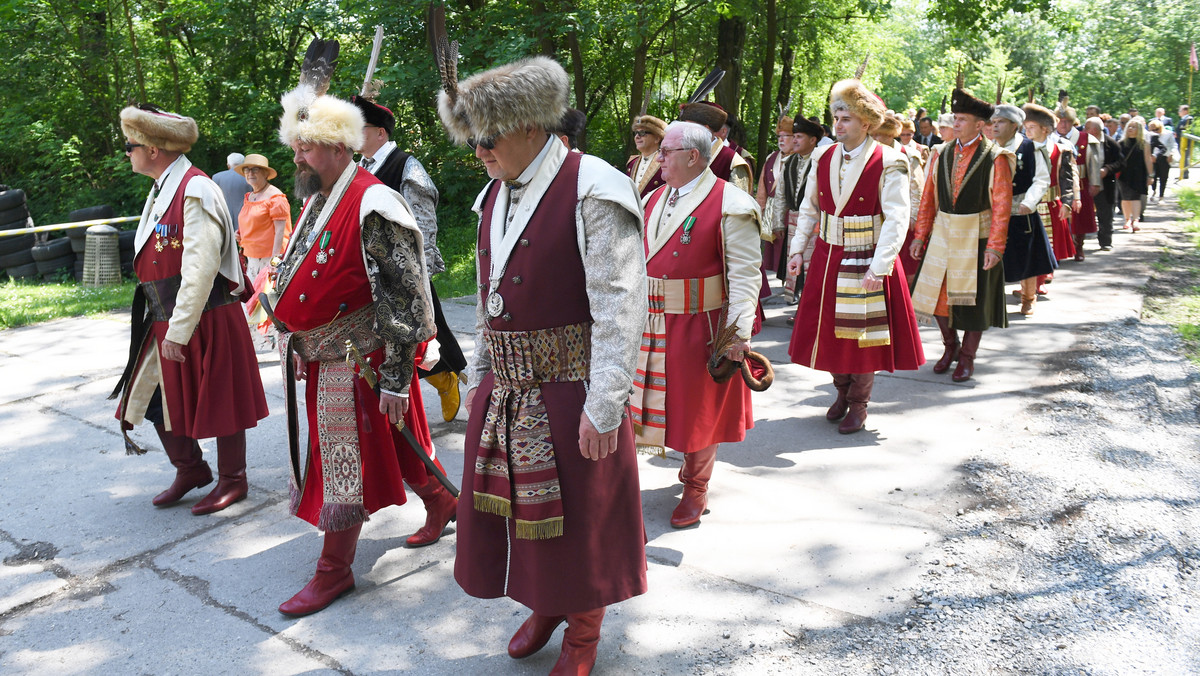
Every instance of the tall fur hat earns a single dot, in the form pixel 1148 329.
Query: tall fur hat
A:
pixel 785 125
pixel 704 113
pixel 651 124
pixel 375 114
pixel 962 101
pixel 804 125
pixel 151 126
pixel 494 102
pixel 1040 115
pixel 907 123
pixel 324 119
pixel 947 120
pixel 1066 112
pixel 1009 112
pixel 851 95
pixel 889 126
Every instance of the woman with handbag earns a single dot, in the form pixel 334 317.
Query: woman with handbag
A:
pixel 1134 179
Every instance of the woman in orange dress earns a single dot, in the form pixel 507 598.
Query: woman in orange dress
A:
pixel 265 218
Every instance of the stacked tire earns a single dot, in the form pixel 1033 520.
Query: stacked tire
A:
pixel 53 255
pixel 16 256
pixel 78 236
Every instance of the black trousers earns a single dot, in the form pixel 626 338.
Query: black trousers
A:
pixel 1162 167
pixel 1104 218
pixel 452 358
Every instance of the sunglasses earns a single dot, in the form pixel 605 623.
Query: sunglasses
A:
pixel 487 143
pixel 130 146
pixel 640 133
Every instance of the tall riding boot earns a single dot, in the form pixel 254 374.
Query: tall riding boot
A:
pixel 696 471
pixel 1028 295
pixel 578 654
pixel 950 340
pixel 190 469
pixel 1078 247
pixel 966 356
pixel 857 395
pixel 440 509
pixel 333 579
pixel 231 475
pixel 533 635
pixel 841 381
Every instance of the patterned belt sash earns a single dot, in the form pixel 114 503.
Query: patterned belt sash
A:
pixel 515 471
pixel 648 405
pixel 337 420
pixel 161 295
pixel 858 314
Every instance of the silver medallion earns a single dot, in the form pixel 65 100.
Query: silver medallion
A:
pixel 495 305
pixel 685 238
pixel 322 257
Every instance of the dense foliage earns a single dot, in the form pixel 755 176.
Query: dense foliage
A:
pixel 71 66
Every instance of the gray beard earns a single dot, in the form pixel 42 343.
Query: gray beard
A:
pixel 307 185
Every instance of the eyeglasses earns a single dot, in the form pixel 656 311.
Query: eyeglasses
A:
pixel 487 143
pixel 640 133
pixel 667 151
pixel 130 146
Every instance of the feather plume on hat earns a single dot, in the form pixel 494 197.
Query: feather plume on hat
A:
pixel 311 115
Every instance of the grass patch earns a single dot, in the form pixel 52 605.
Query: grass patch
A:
pixel 23 302
pixel 457 245
pixel 1175 296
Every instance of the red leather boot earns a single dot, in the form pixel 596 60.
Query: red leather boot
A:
pixel 841 381
pixel 857 395
pixel 696 471
pixel 190 469
pixel 950 340
pixel 333 579
pixel 579 644
pixel 440 509
pixel 533 635
pixel 966 356
pixel 231 476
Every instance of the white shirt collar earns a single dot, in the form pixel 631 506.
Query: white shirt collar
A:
pixel 381 155
pixel 690 185
pixel 856 152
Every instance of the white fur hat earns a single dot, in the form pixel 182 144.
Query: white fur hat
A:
pixel 530 91
pixel 324 119
pixel 151 126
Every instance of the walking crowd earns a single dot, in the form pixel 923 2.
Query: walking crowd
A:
pixel 616 310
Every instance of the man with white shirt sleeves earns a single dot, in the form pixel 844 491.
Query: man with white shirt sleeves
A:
pixel 1027 254
pixel 551 520
pixel 855 315
pixel 702 236
pixel 191 369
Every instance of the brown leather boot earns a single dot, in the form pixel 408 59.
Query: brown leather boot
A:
pixel 440 509
pixel 1028 295
pixel 190 469
pixel 841 381
pixel 231 476
pixel 533 635
pixel 333 579
pixel 966 356
pixel 1078 247
pixel 857 395
pixel 696 471
pixel 950 340
pixel 579 644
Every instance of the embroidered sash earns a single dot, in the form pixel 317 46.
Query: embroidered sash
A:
pixel 648 405
pixel 515 471
pixel 337 418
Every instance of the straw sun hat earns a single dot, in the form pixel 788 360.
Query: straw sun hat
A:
pixel 259 161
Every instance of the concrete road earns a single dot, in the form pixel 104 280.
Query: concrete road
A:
pixel 808 529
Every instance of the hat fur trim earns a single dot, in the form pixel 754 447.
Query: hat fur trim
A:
pixel 854 97
pixel 1009 112
pixel 784 126
pixel 803 125
pixel 704 114
pixel 651 124
pixel 531 91
pixel 1040 115
pixel 323 120
pixel 889 126
pixel 165 131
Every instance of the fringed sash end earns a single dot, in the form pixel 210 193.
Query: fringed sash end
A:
pixel 493 504
pixel 334 517
pixel 540 530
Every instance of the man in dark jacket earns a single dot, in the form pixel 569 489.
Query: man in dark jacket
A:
pixel 1102 178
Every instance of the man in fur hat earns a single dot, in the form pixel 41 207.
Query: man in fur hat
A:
pixel 643 168
pixel 806 134
pixel 442 359
pixel 191 370
pixel 855 316
pixel 354 272
pixel 726 163
pixel 1028 253
pixel 962 231
pixel 767 185
pixel 703 264
pixel 889 133
pixel 553 521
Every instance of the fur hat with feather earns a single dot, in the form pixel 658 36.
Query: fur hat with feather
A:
pixel 309 114
pixel 852 96
pixel 531 91
pixel 151 126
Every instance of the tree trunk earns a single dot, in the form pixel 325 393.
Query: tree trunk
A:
pixel 731 39
pixel 137 61
pixel 580 82
pixel 784 98
pixel 768 75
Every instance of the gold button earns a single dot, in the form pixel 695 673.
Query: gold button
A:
pixel 665 277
